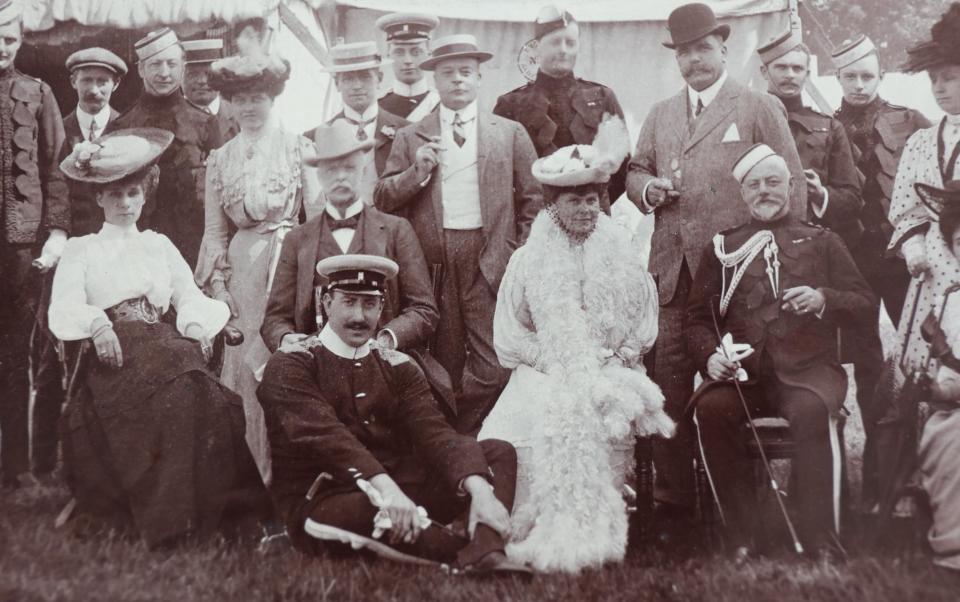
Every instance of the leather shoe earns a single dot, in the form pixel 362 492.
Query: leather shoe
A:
pixel 496 564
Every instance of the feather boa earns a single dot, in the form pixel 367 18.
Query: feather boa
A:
pixel 595 312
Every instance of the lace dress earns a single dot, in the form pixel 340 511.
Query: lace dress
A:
pixel 573 322
pixel 257 185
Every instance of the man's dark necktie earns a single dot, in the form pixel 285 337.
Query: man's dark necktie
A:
pixel 92 135
pixel 350 222
pixel 361 132
pixel 700 107
pixel 458 133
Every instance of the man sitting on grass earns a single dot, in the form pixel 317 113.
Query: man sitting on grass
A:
pixel 360 448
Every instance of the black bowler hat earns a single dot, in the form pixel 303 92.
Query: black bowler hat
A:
pixel 691 22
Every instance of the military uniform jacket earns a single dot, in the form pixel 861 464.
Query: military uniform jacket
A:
pixel 33 190
pixel 586 102
pixel 176 208
pixel 87 216
pixel 375 414
pixel 823 147
pixel 800 350
pixel 878 132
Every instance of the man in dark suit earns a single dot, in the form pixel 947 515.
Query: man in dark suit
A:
pixel 176 207
pixel 411 96
pixel 347 225
pixel 680 172
pixel 783 287
pixel 356 439
pixel 357 73
pixel 558 109
pixel 462 177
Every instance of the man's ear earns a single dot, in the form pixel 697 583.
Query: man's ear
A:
pixel 140 69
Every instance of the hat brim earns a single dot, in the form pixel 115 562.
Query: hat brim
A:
pixel 87 64
pixel 361 146
pixel 590 175
pixel 430 63
pixel 358 66
pixel 935 199
pixel 158 140
pixel 723 29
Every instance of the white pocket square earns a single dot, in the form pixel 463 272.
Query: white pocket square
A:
pixel 732 134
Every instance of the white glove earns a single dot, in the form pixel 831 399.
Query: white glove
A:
pixel 915 254
pixel 735 352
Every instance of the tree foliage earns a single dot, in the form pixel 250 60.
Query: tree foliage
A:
pixel 894 25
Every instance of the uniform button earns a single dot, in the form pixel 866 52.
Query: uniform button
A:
pixel 358 364
pixel 366 422
pixel 359 395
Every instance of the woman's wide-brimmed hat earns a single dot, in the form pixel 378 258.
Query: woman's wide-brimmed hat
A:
pixel 580 164
pixel 249 73
pixel 337 140
pixel 462 45
pixel 691 22
pixel 943 47
pixel 116 155
pixel 936 199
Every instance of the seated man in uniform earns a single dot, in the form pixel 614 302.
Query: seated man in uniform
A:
pixel 782 287
pixel 352 425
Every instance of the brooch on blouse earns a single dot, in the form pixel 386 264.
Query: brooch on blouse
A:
pixel 389 131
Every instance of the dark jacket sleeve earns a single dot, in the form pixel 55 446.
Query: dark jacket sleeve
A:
pixel 842 181
pixel 527 193
pixel 279 317
pixel 849 299
pixel 418 315
pixel 399 184
pixel 53 186
pixel 699 332
pixel 454 455
pixel 303 424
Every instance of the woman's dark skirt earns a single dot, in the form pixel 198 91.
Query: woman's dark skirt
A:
pixel 158 445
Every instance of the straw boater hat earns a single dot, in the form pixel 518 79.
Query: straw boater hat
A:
pixel 580 164
pixel 96 57
pixel 780 46
pixel 249 73
pixel 943 48
pixel 356 56
pixel 852 51
pixel 116 155
pixel 463 45
pixel 407 27
pixel 691 22
pixel 154 43
pixel 336 141
pixel 360 274
pixel 202 51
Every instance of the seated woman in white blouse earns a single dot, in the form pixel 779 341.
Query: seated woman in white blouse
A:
pixel 151 439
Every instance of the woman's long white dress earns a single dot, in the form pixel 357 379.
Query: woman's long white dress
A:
pixel 573 322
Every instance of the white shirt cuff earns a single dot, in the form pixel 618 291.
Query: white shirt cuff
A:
pixel 393 337
pixel 645 205
pixel 823 208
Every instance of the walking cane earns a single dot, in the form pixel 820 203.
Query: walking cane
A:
pixel 797 546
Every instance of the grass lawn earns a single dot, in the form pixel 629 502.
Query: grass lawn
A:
pixel 38 562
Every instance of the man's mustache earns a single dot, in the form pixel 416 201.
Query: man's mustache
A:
pixel 358 326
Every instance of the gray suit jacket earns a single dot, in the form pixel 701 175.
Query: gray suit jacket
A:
pixel 510 196
pixel 699 164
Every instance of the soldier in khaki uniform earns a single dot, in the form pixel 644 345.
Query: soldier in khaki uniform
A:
pixel 34 211
pixel 557 108
pixel 878 131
